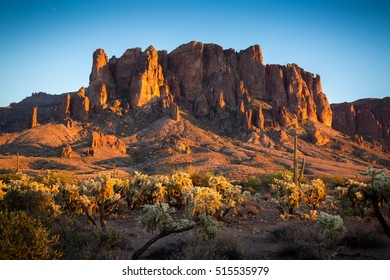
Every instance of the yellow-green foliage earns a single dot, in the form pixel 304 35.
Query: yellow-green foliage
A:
pixel 231 194
pixel 101 195
pixel 179 183
pixel 28 195
pixel 313 193
pixel 286 194
pixel 23 237
pixel 147 190
pixel 202 200
pixel 69 199
pixel 2 189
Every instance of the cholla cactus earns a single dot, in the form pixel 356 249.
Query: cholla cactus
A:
pixel 375 194
pixel 202 200
pixel 178 185
pixel 147 190
pixel 232 195
pixel 313 193
pixel 157 217
pixel 331 228
pixel 286 194
pixel 208 228
pixel 28 195
pixel 69 199
pixel 100 196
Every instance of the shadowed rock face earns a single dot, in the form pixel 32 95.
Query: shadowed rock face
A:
pixel 207 80
pixel 366 117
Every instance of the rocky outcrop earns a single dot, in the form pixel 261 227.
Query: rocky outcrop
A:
pixel 145 85
pixel 79 106
pixel 369 118
pixel 67 151
pixel 204 79
pixel 34 117
pixel 64 109
pixel 297 92
pixel 169 107
pixel 101 82
pixel 99 140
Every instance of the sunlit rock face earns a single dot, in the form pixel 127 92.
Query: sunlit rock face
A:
pixel 222 85
pixel 367 117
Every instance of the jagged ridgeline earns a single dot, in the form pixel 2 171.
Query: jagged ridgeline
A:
pixel 203 79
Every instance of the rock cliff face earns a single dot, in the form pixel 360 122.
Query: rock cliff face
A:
pixel 297 92
pixel 369 118
pixel 205 79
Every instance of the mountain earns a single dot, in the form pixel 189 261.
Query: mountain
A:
pixel 201 105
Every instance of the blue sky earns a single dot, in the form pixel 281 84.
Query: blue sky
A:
pixel 48 45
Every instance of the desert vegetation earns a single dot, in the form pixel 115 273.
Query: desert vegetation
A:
pixel 180 215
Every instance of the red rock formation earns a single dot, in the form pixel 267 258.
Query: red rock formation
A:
pixel 367 117
pixel 145 85
pixel 64 109
pixel 170 108
pixel 79 106
pixel 204 79
pixel 99 140
pixel 299 92
pixel 34 118
pixel 101 83
pixel 67 151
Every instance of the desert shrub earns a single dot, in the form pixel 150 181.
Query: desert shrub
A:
pixel 331 229
pixel 201 178
pixel 7 178
pixel 2 190
pixel 293 234
pixel 24 237
pixel 36 199
pixel 268 179
pixel 77 241
pixel 361 236
pixel 52 178
pixel 333 180
pixel 313 193
pixel 286 194
pixel 254 184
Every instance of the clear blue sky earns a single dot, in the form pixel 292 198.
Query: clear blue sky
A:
pixel 48 45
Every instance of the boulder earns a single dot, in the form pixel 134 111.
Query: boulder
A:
pixel 66 151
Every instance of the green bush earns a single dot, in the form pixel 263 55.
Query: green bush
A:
pixel 23 238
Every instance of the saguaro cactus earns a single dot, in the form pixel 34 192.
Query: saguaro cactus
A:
pixel 297 178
